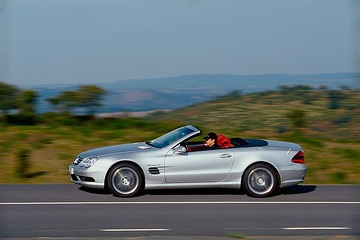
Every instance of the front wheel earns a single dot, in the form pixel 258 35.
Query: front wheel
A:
pixel 125 180
pixel 260 180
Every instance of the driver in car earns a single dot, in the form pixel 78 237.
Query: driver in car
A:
pixel 210 141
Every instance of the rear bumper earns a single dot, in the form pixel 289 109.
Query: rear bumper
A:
pixel 292 175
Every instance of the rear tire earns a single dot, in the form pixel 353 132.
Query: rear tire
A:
pixel 260 180
pixel 125 180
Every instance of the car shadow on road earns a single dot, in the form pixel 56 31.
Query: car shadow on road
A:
pixel 197 191
pixel 297 189
pixel 95 191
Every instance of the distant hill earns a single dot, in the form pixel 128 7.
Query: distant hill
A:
pixel 180 91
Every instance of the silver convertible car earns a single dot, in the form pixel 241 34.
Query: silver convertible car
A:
pixel 176 160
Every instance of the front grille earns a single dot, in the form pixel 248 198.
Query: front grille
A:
pixel 78 160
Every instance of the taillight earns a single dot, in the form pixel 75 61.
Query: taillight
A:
pixel 298 158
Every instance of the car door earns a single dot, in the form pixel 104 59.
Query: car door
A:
pixel 199 166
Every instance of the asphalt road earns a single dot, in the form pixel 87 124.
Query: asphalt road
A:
pixel 66 211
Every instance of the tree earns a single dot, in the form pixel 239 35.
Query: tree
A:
pixel 297 92
pixel 87 97
pixel 8 98
pixel 27 101
pixel 345 87
pixel 90 98
pixel 54 103
pixel 66 102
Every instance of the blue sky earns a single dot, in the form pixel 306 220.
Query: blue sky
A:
pixel 93 41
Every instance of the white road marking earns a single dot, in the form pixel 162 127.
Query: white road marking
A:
pixel 134 230
pixel 124 203
pixel 317 228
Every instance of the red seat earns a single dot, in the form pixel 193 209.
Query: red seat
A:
pixel 223 142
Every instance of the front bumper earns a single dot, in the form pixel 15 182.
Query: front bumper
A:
pixel 87 177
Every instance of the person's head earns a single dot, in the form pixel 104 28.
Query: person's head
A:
pixel 210 139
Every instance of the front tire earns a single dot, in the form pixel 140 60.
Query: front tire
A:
pixel 260 180
pixel 125 180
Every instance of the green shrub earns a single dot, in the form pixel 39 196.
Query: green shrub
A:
pixel 339 177
pixel 342 120
pixel 297 118
pixel 348 153
pixel 281 129
pixel 23 163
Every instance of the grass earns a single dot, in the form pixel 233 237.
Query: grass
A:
pixel 330 137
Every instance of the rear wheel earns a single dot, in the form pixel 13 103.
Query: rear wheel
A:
pixel 260 180
pixel 125 180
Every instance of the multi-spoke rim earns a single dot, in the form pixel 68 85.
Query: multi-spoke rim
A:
pixel 261 181
pixel 125 180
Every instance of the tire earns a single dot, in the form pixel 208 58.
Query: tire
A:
pixel 125 180
pixel 260 180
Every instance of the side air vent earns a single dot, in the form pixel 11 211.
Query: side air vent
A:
pixel 154 170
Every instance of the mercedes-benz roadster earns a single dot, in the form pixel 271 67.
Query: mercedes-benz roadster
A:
pixel 176 160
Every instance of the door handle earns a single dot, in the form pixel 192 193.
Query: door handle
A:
pixel 225 155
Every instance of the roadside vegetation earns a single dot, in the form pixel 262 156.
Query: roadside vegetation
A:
pixel 37 148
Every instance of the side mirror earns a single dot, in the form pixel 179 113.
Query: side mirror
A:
pixel 179 150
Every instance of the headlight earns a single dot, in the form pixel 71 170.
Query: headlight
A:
pixel 88 162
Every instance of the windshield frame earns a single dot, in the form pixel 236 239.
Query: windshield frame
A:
pixel 174 137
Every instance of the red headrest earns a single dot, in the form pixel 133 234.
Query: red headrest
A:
pixel 223 142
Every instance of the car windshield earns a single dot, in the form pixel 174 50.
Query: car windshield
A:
pixel 170 137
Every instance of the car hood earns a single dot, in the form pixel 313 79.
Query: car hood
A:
pixel 115 149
